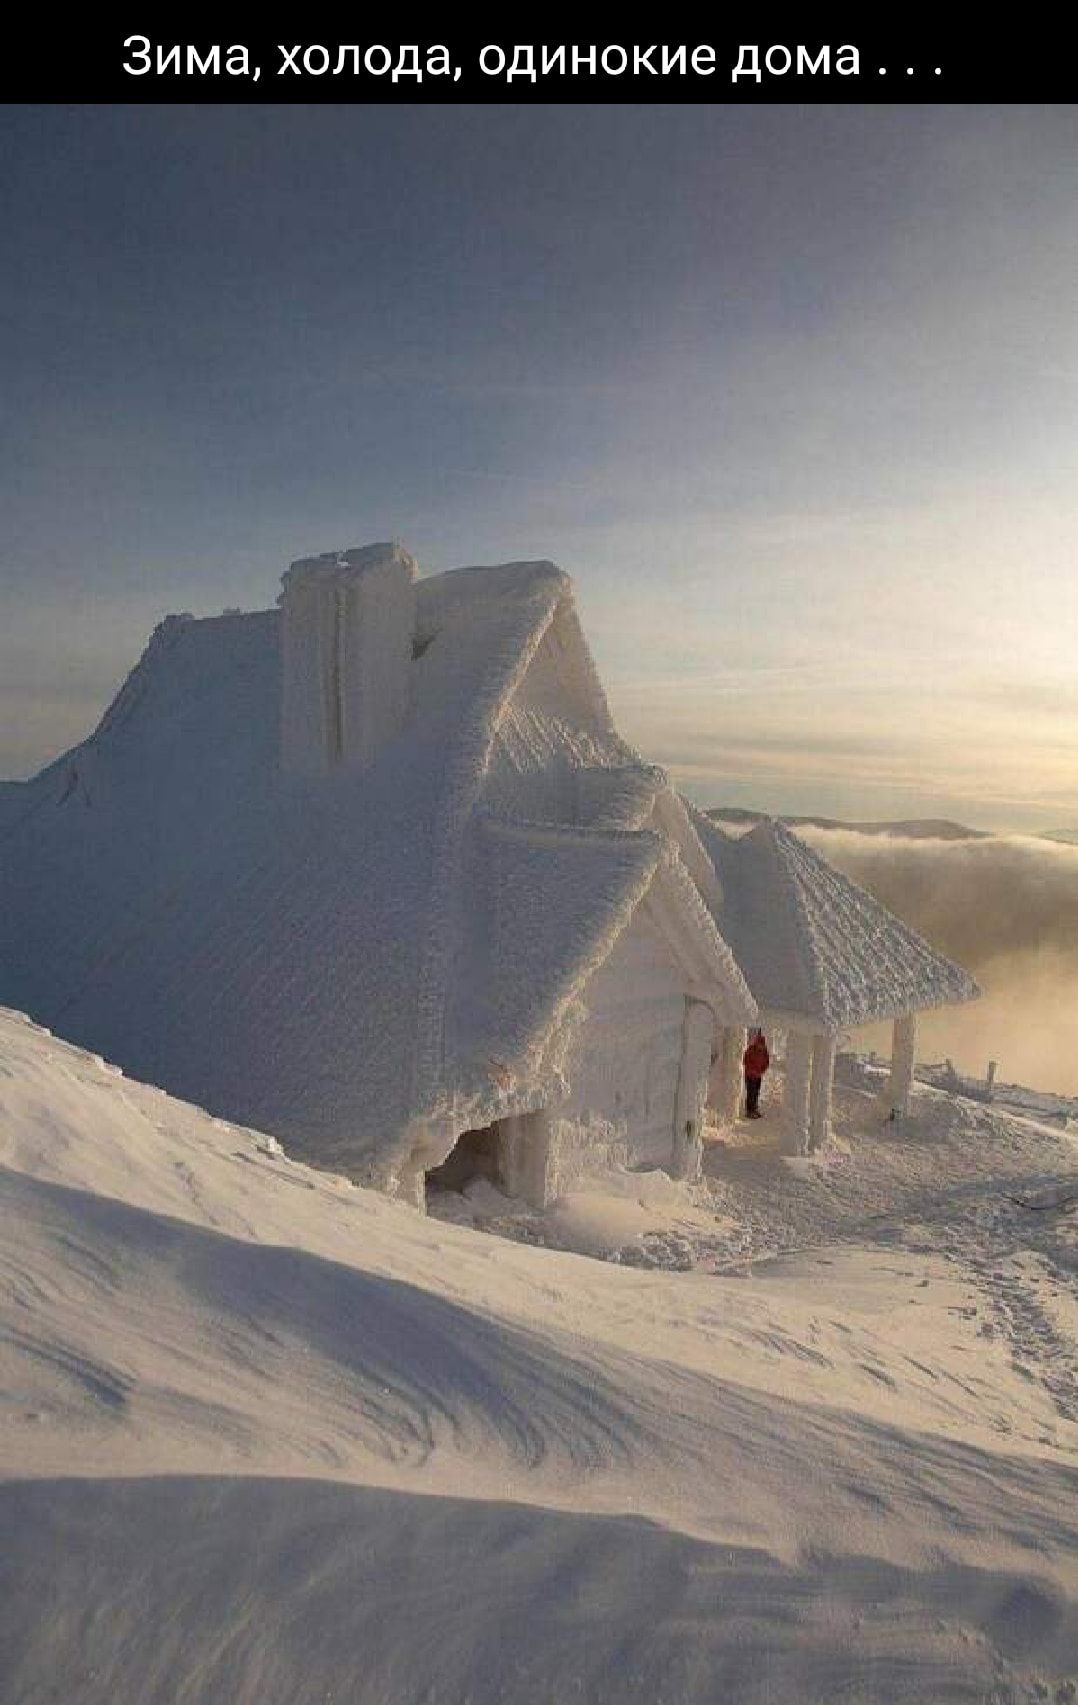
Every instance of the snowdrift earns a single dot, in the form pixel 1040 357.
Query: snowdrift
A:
pixel 270 1436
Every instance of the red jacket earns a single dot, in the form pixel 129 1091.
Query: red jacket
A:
pixel 757 1059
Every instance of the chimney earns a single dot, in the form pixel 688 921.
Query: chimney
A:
pixel 347 623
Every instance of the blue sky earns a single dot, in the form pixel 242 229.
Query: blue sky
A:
pixel 791 393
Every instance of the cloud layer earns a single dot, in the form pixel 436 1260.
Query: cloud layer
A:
pixel 1007 909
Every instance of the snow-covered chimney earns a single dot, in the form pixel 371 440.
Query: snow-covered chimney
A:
pixel 347 624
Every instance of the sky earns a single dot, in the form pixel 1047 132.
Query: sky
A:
pixel 791 392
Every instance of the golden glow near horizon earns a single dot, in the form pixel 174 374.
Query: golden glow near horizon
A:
pixel 791 393
pixel 894 666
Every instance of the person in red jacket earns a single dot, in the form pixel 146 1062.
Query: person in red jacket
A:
pixel 756 1060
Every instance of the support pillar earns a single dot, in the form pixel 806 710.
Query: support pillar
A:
pixel 529 1157
pixel 796 1097
pixel 688 1145
pixel 823 1073
pixel 724 1089
pixel 430 1142
pixel 903 1054
pixel 411 1183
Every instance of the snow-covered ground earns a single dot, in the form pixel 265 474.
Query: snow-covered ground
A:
pixel 267 1436
pixel 1042 1104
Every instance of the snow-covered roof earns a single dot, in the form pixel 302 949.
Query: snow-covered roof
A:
pixel 331 958
pixel 812 944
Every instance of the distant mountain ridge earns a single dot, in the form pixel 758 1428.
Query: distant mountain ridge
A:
pixel 911 828
pixel 914 828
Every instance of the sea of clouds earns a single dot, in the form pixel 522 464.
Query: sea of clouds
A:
pixel 1006 907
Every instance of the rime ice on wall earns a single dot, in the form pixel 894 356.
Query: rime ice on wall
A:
pixel 348 624
pixel 310 665
pixel 627 1054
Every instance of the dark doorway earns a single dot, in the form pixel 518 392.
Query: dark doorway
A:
pixel 475 1154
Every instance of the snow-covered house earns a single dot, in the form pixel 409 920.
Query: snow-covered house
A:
pixel 374 872
pixel 820 956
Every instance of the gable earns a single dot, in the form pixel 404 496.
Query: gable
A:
pixel 813 944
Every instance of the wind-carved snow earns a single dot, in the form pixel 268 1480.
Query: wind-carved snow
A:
pixel 268 1435
pixel 273 1436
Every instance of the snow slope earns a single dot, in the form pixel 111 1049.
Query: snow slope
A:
pixel 271 1437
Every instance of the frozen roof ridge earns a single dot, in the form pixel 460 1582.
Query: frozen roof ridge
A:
pixel 920 976
pixel 584 884
pixel 165 641
pixel 790 850
pixel 703 939
pixel 767 835
pixel 502 579
pixel 543 832
pixel 468 762
pixel 532 1048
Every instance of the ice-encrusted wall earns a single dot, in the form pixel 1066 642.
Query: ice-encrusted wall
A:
pixel 347 627
pixel 626 1059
